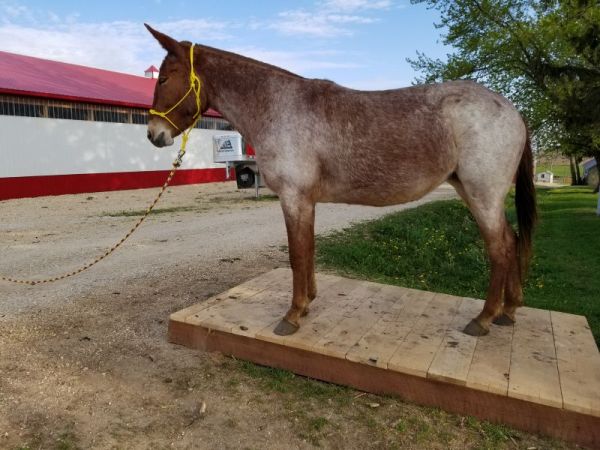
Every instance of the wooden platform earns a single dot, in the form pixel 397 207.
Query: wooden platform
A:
pixel 542 375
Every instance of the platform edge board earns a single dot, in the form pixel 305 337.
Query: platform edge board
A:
pixel 490 366
pixel 534 373
pixel 572 426
pixel 578 363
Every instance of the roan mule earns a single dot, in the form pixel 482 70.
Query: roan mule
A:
pixel 316 141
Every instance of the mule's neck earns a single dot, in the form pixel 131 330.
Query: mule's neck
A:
pixel 243 90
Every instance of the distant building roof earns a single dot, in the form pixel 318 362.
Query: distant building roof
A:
pixel 151 69
pixel 36 77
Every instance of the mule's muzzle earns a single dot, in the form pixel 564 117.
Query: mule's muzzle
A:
pixel 160 138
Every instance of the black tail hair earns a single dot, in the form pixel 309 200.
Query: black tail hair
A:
pixel 526 207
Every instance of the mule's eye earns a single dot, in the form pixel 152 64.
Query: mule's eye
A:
pixel 162 80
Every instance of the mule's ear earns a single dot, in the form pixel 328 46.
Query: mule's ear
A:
pixel 167 42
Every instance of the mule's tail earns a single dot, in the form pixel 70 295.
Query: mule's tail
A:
pixel 526 206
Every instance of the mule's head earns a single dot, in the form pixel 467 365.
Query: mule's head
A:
pixel 173 84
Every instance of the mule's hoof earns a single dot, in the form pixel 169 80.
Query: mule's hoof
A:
pixel 504 320
pixel 285 328
pixel 474 328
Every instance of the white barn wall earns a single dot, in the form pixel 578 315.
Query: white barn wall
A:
pixel 38 146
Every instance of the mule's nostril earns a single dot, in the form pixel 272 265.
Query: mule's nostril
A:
pixel 149 135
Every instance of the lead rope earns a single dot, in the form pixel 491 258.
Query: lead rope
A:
pixel 195 87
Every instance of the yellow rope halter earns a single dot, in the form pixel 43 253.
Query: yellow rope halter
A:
pixel 195 85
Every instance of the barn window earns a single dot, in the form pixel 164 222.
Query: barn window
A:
pixel 139 117
pixel 12 105
pixel 11 108
pixel 110 115
pixel 69 112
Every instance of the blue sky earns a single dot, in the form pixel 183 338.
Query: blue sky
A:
pixel 358 43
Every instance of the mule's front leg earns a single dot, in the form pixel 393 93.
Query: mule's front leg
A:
pixel 299 216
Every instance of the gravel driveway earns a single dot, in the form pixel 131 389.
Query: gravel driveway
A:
pixel 196 226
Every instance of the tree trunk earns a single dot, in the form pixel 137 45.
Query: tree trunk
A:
pixel 573 172
pixel 578 171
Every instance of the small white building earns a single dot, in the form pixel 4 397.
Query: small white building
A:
pixel 545 177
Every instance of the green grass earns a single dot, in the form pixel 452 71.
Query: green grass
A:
pixel 284 381
pixel 141 212
pixel 318 423
pixel 437 247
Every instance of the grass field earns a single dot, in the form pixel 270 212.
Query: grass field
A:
pixel 437 247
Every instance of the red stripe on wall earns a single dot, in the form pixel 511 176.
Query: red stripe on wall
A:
pixel 37 186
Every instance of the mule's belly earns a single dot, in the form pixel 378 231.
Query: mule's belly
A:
pixel 380 192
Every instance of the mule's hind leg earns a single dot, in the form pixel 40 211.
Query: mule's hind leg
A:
pixel 513 292
pixel 488 211
pixel 310 275
pixel 299 214
pixel 311 280
pixel 496 246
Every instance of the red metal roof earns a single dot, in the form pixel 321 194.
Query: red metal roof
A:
pixel 26 75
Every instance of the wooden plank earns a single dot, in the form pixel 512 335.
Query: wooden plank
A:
pixel 328 286
pixel 452 361
pixel 259 324
pixel 232 309
pixel 490 366
pixel 578 363
pixel 348 331
pixel 249 318
pixel 242 290
pixel 345 296
pixel 379 343
pixel 268 308
pixel 415 353
pixel 533 369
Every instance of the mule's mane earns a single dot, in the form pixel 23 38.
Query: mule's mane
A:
pixel 235 58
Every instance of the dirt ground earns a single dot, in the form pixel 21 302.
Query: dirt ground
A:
pixel 85 363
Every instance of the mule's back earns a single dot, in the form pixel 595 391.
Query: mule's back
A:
pixel 386 147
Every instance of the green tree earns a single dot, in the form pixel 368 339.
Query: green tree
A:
pixel 542 54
